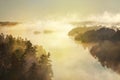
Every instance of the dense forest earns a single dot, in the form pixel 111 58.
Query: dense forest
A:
pixel 99 35
pixel 81 30
pixel 19 60
pixel 105 45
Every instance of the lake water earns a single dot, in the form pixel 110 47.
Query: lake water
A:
pixel 70 61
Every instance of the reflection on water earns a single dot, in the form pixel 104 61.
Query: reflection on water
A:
pixel 70 61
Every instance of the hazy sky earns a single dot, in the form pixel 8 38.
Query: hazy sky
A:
pixel 35 9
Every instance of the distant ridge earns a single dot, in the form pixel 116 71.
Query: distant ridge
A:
pixel 7 23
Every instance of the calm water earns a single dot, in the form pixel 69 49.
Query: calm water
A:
pixel 70 60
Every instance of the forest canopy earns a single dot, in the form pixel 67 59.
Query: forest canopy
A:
pixel 105 45
pixel 21 60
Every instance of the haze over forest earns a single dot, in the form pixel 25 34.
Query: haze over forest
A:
pixel 59 40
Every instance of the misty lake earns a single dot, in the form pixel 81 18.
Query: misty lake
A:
pixel 70 61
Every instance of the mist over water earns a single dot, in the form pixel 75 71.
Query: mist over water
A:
pixel 70 61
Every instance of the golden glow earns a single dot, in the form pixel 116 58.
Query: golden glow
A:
pixel 69 60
